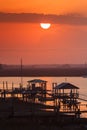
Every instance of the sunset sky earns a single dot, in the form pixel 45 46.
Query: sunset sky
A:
pixel 21 36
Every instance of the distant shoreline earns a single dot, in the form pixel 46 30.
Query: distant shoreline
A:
pixel 43 72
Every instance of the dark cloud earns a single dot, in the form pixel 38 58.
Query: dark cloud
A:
pixel 72 19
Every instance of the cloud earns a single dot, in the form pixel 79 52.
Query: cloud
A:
pixel 72 19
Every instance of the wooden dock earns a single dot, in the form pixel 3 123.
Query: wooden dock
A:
pixel 63 102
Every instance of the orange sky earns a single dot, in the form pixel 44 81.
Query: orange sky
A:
pixel 59 44
pixel 62 43
pixel 42 6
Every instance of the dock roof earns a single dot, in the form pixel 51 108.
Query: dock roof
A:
pixel 37 81
pixel 66 86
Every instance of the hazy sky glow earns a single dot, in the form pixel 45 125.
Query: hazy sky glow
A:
pixel 42 6
pixel 22 36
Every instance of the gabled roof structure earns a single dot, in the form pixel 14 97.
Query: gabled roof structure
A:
pixel 66 86
pixel 36 81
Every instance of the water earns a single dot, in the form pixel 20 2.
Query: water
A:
pixel 78 81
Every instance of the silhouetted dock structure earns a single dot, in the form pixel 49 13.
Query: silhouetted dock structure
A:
pixel 65 96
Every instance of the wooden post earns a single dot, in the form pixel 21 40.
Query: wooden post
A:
pixel 3 85
pixel 6 85
pixel 4 94
pixel 23 96
pixel 12 95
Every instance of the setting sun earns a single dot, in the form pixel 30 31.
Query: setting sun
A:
pixel 45 25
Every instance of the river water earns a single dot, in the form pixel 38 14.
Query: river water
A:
pixel 77 81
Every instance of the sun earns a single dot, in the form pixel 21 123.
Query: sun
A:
pixel 45 25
